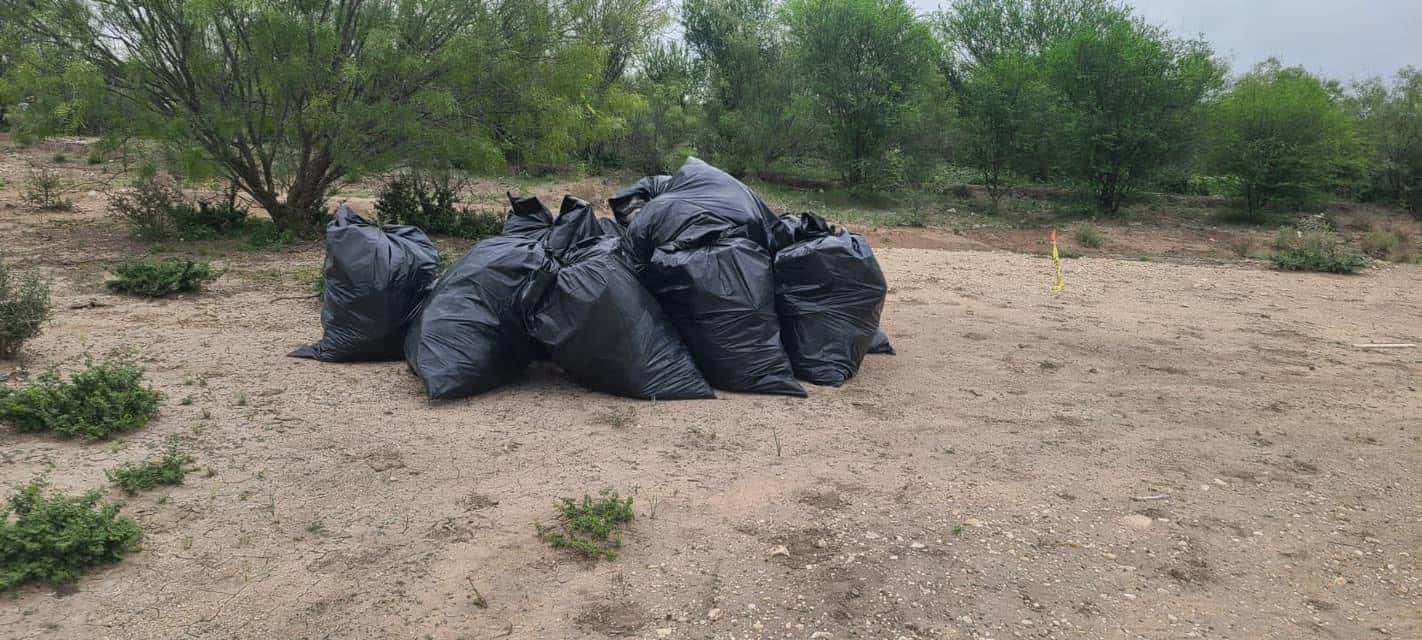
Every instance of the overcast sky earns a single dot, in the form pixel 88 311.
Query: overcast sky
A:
pixel 1344 39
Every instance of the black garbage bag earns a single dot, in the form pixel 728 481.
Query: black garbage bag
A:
pixel 376 278
pixel 575 223
pixel 697 194
pixel 829 292
pixel 527 218
pixel 597 322
pixel 881 344
pixel 719 293
pixel 470 337
pixel 627 202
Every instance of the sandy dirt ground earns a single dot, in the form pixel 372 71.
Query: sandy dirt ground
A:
pixel 1165 450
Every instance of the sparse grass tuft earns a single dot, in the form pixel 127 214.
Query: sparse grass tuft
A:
pixel 103 399
pixel 167 470
pixel 55 538
pixel 45 190
pixel 160 278
pixel 1314 250
pixel 1387 244
pixel 1087 235
pixel 24 306
pixel 1241 246
pixel 590 528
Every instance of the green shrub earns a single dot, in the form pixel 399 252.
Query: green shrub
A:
pixel 433 206
pixel 1088 236
pixel 55 538
pixel 159 278
pixel 24 306
pixel 590 528
pixel 105 398
pixel 149 210
pixel 1387 244
pixel 45 190
pixel 1314 250
pixel 260 234
pixel 1283 134
pixel 60 158
pixel 157 210
pixel 212 218
pixel 167 470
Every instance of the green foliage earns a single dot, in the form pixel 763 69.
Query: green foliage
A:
pixel 53 90
pixel 105 398
pixel 1314 250
pixel 590 528
pixel 1389 121
pixel 433 205
pixel 44 189
pixel 287 98
pixel 261 234
pixel 24 306
pixel 1282 134
pixel 1012 119
pixel 165 470
pixel 55 538
pixel 1133 95
pixel 978 32
pixel 1393 245
pixel 159 278
pixel 755 109
pixel 148 211
pixel 1087 235
pixel 157 210
pixel 866 93
pixel 658 134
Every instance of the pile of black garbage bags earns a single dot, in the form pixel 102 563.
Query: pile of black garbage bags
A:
pixel 695 285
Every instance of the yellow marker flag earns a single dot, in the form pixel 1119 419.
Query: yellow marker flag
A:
pixel 1060 284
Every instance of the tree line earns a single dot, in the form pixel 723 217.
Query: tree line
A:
pixel 288 98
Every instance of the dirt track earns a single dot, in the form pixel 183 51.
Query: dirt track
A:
pixel 986 482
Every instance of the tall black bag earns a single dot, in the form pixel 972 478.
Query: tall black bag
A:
pixel 376 278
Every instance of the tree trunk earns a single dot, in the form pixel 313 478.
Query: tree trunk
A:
pixel 303 209
pixel 1109 197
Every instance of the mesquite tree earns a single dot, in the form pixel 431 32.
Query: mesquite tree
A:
pixel 286 97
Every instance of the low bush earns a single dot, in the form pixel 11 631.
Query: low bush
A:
pixel 44 189
pixel 148 209
pixel 159 278
pixel 433 206
pixel 591 528
pixel 166 470
pixel 24 306
pixel 105 398
pixel 157 210
pixel 1314 250
pixel 1088 236
pixel 55 538
pixel 260 234
pixel 1387 244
